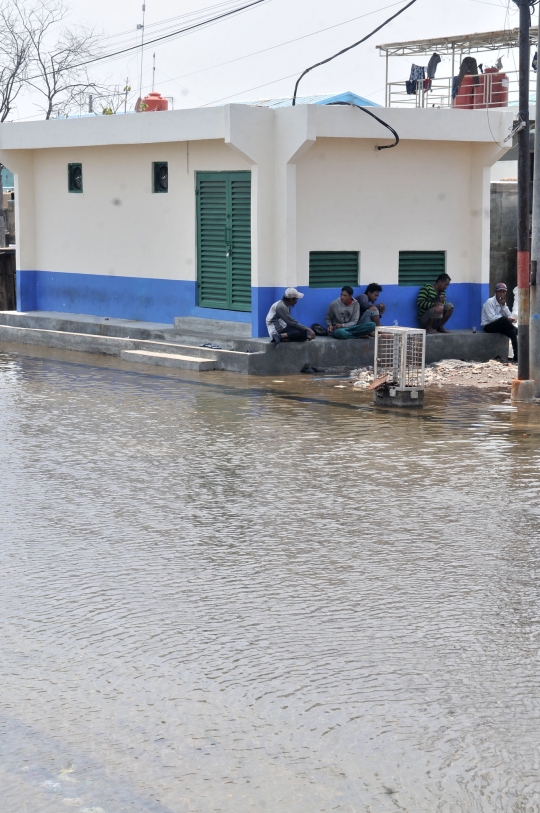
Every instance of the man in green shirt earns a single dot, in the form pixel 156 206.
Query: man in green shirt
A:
pixel 433 309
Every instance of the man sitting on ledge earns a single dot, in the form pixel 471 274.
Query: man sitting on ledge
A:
pixel 282 327
pixel 433 309
pixel 343 317
pixel 497 318
pixel 370 309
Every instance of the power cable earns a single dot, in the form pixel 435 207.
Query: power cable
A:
pixel 287 42
pixel 169 36
pixel 373 116
pixel 164 22
pixel 349 48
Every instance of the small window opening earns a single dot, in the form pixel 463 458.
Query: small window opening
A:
pixel 75 178
pixel 161 176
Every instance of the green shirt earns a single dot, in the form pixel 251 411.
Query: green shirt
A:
pixel 427 296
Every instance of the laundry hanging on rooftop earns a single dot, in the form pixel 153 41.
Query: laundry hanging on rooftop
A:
pixel 418 74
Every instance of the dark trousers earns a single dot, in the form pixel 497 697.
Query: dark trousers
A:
pixel 507 328
pixel 295 334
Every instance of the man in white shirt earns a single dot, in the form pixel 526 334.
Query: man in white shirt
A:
pixel 497 318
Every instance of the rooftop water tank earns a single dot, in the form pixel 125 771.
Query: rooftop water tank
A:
pixel 154 101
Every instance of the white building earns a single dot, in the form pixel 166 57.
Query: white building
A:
pixel 258 199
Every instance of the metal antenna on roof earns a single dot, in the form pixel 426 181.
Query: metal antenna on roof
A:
pixel 141 29
pixel 154 71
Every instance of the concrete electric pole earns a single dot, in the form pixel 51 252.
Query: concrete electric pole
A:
pixel 535 253
pixel 523 190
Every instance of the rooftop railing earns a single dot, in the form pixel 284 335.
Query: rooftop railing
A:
pixel 493 90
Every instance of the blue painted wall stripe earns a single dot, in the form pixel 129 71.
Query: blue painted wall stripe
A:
pixel 160 300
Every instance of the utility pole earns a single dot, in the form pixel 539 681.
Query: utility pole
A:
pixel 535 252
pixel 523 190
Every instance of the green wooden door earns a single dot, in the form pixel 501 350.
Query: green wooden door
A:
pixel 224 240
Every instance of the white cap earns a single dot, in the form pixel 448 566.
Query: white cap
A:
pixel 292 293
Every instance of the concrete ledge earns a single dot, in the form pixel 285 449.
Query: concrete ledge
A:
pixel 189 325
pixel 241 355
pixel 466 345
pixel 169 360
pixel 85 323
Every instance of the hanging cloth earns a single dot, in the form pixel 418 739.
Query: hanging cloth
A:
pixel 468 67
pixel 417 75
pixel 432 66
pixel 535 61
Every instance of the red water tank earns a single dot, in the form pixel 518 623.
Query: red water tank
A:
pixel 492 90
pixel 465 95
pixel 152 102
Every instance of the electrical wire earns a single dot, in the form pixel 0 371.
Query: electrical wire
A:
pixel 373 116
pixel 168 36
pixel 349 48
pixel 167 20
pixel 287 42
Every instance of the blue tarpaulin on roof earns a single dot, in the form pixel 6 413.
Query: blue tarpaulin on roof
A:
pixel 326 98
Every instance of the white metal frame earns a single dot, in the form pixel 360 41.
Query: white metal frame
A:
pixel 393 346
pixel 440 94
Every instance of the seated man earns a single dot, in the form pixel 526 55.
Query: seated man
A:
pixel 433 309
pixel 282 327
pixel 342 318
pixel 497 318
pixel 370 310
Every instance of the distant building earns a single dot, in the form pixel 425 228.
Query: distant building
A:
pixel 213 212
pixel 7 178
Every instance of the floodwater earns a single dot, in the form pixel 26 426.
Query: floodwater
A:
pixel 237 595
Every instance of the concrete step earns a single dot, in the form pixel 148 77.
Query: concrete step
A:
pixel 84 323
pixel 168 359
pixel 189 325
pixel 222 359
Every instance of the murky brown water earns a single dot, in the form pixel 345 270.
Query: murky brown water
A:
pixel 222 594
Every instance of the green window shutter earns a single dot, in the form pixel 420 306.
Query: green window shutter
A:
pixel 224 240
pixel 212 260
pixel 419 267
pixel 333 269
pixel 241 243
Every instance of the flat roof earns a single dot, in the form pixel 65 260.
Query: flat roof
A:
pixel 466 43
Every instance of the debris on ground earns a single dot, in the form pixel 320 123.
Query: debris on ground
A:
pixel 453 372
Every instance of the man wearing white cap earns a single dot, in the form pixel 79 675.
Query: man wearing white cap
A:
pixel 282 327
pixel 497 318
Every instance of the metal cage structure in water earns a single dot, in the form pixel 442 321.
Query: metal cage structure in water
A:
pixel 400 359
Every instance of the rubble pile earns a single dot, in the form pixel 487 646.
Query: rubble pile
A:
pixel 453 372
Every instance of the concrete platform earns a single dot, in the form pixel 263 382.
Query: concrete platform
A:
pixel 236 354
pixel 190 325
pixel 169 360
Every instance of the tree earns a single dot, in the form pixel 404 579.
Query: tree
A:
pixel 56 64
pixel 14 57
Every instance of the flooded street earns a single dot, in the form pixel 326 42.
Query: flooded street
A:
pixel 232 594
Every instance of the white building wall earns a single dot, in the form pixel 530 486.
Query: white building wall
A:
pixel 118 226
pixel 416 197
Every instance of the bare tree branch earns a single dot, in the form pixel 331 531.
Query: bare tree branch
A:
pixel 14 57
pixel 54 62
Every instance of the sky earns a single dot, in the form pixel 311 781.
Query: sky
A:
pixel 259 53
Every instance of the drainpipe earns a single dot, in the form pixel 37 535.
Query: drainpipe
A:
pixel 535 252
pixel 523 190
